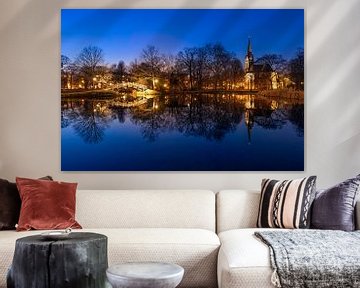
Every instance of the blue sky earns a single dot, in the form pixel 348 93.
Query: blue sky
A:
pixel 123 33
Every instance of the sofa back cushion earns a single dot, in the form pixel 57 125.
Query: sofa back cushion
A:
pixel 334 207
pixel 146 209
pixel 236 209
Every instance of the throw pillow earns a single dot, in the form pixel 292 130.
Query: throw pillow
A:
pixel 286 204
pixel 10 203
pixel 334 208
pixel 46 204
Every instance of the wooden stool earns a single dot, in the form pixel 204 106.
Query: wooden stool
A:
pixel 78 261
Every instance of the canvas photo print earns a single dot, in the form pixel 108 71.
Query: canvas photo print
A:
pixel 182 89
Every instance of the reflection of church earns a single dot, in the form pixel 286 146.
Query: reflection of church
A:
pixel 258 76
pixel 265 114
pixel 249 122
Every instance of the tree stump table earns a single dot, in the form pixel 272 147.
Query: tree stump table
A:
pixel 78 261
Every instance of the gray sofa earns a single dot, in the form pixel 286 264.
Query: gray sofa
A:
pixel 177 226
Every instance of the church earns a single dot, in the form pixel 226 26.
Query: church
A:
pixel 258 76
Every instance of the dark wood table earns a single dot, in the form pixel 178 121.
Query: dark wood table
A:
pixel 78 261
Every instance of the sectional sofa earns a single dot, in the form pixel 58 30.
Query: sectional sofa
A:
pixel 210 235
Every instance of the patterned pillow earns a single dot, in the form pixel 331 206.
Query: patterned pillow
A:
pixel 286 204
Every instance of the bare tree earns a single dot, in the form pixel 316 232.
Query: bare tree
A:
pixel 169 70
pixel 276 62
pixel 278 66
pixel 119 71
pixel 65 61
pixel 219 60
pixel 235 72
pixel 65 72
pixel 201 71
pixel 69 73
pixel 186 63
pixel 151 63
pixel 296 67
pixel 88 61
pixel 209 66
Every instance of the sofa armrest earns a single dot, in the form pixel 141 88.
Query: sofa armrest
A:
pixel 357 215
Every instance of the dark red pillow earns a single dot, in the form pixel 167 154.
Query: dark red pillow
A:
pixel 46 204
pixel 10 204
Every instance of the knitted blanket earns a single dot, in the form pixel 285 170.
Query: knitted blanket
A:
pixel 313 258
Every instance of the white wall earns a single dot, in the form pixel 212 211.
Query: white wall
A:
pixel 30 93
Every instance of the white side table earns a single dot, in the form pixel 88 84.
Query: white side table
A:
pixel 145 275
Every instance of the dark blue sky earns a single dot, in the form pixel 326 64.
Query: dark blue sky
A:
pixel 123 33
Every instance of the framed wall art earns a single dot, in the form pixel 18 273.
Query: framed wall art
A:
pixel 182 89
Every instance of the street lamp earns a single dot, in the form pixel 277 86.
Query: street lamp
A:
pixel 155 82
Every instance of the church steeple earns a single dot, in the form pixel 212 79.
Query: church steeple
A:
pixel 249 49
pixel 249 58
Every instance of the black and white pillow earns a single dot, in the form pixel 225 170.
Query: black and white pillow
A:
pixel 286 204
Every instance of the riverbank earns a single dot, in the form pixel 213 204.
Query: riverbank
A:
pixel 88 94
pixel 283 93
pixel 105 93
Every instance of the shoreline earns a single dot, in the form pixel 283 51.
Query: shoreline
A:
pixel 279 93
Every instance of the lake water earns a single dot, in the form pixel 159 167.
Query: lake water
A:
pixel 188 132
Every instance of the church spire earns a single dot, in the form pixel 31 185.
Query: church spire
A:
pixel 249 49
pixel 249 58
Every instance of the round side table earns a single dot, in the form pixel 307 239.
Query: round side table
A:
pixel 145 275
pixel 78 261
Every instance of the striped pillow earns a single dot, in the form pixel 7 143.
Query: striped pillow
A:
pixel 286 204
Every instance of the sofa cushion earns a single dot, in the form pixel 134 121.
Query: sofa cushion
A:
pixel 46 204
pixel 194 249
pixel 10 204
pixel 244 261
pixel 286 204
pixel 334 208
pixel 236 209
pixel 153 209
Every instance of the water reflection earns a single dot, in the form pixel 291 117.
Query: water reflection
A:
pixel 210 116
pixel 89 118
